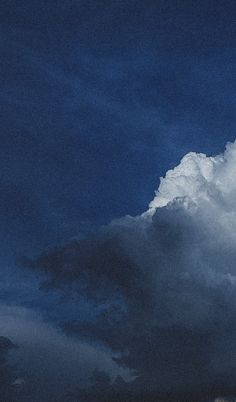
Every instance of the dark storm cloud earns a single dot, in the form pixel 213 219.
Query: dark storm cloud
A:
pixel 48 363
pixel 8 376
pixel 163 285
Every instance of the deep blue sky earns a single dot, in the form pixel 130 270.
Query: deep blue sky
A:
pixel 99 99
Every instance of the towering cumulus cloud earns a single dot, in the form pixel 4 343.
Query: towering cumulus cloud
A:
pixel 162 288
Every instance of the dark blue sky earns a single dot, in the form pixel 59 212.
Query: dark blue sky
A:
pixel 99 99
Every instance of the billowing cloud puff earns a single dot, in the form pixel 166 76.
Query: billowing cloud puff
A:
pixel 163 285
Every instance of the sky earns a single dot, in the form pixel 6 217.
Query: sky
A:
pixel 100 100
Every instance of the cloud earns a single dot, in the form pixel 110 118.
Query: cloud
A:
pixel 48 363
pixel 163 284
pixel 8 377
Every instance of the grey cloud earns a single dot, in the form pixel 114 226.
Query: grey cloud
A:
pixel 8 375
pixel 166 283
pixel 48 364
